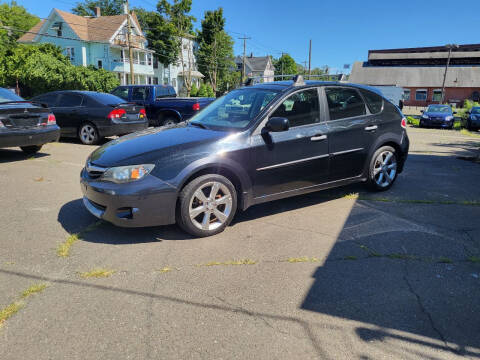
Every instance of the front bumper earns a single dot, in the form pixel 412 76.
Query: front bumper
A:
pixel 147 202
pixel 436 122
pixel 122 128
pixel 29 137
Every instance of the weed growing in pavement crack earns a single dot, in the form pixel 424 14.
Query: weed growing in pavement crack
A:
pixel 302 259
pixel 231 262
pixel 63 249
pixel 16 306
pixel 97 273
pixel 351 257
pixel 474 259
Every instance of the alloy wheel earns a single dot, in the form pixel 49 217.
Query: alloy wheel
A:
pixel 88 134
pixel 385 168
pixel 210 206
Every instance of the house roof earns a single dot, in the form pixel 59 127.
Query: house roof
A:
pixel 30 36
pixel 87 28
pixel 258 63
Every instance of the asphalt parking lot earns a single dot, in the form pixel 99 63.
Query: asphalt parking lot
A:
pixel 340 274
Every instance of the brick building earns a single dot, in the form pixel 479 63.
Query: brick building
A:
pixel 420 72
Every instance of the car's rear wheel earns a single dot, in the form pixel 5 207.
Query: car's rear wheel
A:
pixel 207 205
pixel 30 150
pixel 383 168
pixel 169 120
pixel 88 134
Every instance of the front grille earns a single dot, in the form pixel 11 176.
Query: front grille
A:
pixel 94 171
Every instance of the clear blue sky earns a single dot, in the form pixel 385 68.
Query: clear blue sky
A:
pixel 341 31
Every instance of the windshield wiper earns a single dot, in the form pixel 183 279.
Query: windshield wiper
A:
pixel 200 125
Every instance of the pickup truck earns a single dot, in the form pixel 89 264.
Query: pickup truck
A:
pixel 161 103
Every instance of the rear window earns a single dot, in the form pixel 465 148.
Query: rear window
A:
pixel 70 100
pixel 162 91
pixel 121 92
pixel 139 93
pixel 106 99
pixel 49 99
pixel 7 95
pixel 374 101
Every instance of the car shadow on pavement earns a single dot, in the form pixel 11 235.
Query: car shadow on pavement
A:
pixel 12 155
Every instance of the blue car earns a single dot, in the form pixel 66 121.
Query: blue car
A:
pixel 473 120
pixel 438 115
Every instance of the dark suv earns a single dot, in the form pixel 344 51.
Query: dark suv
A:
pixel 255 144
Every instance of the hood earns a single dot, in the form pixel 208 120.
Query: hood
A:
pixel 150 145
pixel 438 114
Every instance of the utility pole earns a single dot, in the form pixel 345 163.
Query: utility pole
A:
pixel 450 47
pixel 244 38
pixel 281 60
pixel 129 43
pixel 304 67
pixel 310 59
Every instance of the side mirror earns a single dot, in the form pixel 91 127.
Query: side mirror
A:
pixel 277 124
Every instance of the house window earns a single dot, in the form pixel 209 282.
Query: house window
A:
pixel 437 95
pixel 165 81
pixel 100 64
pixel 406 95
pixel 421 95
pixel 155 80
pixel 57 26
pixel 70 52
pixel 149 59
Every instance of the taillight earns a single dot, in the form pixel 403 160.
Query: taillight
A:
pixel 117 114
pixel 404 123
pixel 196 107
pixel 142 113
pixel 50 120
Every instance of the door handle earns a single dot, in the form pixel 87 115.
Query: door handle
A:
pixel 318 137
pixel 371 128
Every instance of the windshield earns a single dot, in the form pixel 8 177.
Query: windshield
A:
pixel 236 109
pixel 107 99
pixel 7 95
pixel 439 108
pixel 475 110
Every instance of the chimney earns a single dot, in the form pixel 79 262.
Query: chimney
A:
pixel 98 12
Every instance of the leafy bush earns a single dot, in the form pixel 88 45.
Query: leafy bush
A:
pixel 412 121
pixel 210 92
pixel 194 91
pixel 42 68
pixel 202 92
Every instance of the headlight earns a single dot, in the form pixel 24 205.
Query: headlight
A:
pixel 448 118
pixel 424 116
pixel 123 174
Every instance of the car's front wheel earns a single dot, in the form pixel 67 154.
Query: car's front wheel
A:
pixel 383 168
pixel 30 150
pixel 207 205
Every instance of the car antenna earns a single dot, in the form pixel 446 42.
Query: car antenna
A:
pixel 298 80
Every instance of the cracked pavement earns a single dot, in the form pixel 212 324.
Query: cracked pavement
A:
pixel 386 279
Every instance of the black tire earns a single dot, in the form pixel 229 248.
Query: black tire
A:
pixel 189 200
pixel 469 126
pixel 388 177
pixel 88 134
pixel 169 120
pixel 420 124
pixel 30 150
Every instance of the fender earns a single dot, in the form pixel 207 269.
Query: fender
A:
pixel 176 112
pixel 382 139
pixel 219 162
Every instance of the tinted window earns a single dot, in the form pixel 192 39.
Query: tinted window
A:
pixel 162 91
pixel 106 99
pixel 121 92
pixel 7 95
pixel 374 101
pixel 301 108
pixel 70 100
pixel 421 95
pixel 50 99
pixel 139 93
pixel 344 103
pixel 439 108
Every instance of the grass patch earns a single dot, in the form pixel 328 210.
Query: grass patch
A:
pixel 33 290
pixel 370 252
pixel 444 260
pixel 402 256
pixel 97 273
pixel 351 257
pixel 63 250
pixel 457 125
pixel 352 196
pixel 469 133
pixel 9 311
pixel 474 259
pixel 231 262
pixel 413 121
pixel 165 269
pixel 302 259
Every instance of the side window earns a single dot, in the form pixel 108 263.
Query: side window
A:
pixel 70 100
pixel 162 91
pixel 301 108
pixel 139 93
pixel 50 100
pixel 344 103
pixel 121 92
pixel 374 101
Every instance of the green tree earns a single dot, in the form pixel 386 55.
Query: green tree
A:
pixel 285 65
pixel 210 92
pixel 14 20
pixel 215 53
pixel 202 91
pixel 107 7
pixel 194 90
pixel 231 80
